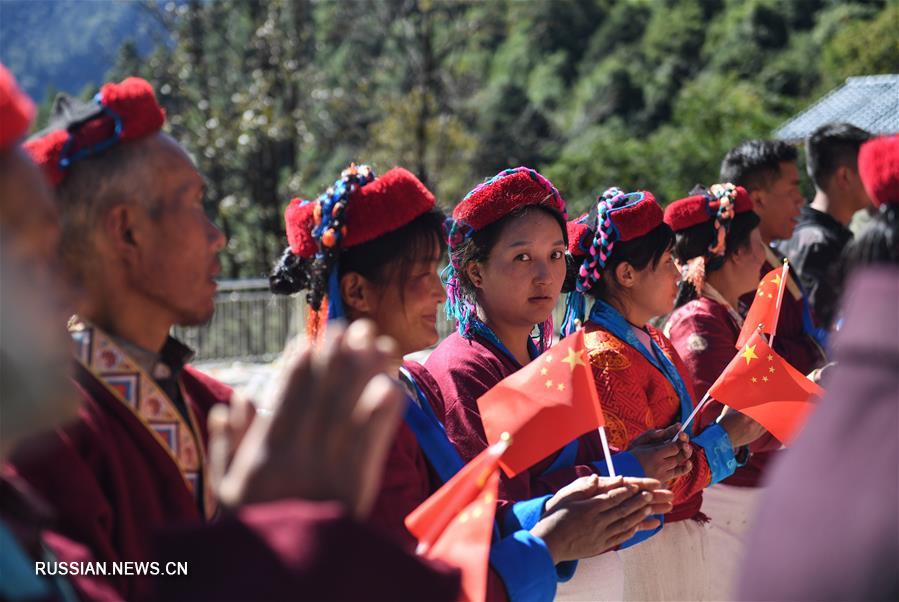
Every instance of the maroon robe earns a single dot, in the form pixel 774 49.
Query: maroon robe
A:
pixel 296 550
pixel 109 480
pixel 704 334
pixel 29 519
pixel 409 479
pixel 466 369
pixel 283 550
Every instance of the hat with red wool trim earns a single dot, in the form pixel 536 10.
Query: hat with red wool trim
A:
pixel 373 207
pixel 508 190
pixel 719 205
pixel 357 208
pixel 490 201
pixel 878 166
pixel 118 113
pixel 617 216
pixel 699 208
pixel 579 235
pixel 16 110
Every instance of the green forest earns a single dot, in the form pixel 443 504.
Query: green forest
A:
pixel 275 97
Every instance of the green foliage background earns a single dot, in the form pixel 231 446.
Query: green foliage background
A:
pixel 275 97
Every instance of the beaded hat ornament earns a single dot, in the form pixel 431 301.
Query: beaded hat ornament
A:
pixel 617 216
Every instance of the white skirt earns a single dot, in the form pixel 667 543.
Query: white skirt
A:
pixel 600 578
pixel 671 565
pixel 731 510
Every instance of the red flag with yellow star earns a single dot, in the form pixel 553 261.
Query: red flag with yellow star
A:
pixel 765 306
pixel 544 406
pixel 455 525
pixel 762 385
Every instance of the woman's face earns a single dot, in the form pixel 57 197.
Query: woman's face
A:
pixel 407 310
pixel 654 289
pixel 747 262
pixel 520 282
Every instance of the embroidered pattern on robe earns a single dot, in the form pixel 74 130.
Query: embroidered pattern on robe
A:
pixel 137 391
pixel 635 397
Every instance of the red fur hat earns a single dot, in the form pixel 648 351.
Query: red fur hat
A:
pixel 698 208
pixel 878 166
pixel 637 217
pixel 579 236
pixel 16 110
pixel 498 196
pixel 124 111
pixel 380 206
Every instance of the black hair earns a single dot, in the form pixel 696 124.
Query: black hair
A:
pixel 382 261
pixel 877 244
pixel 830 147
pixel 478 246
pixel 695 242
pixel 755 164
pixel 639 252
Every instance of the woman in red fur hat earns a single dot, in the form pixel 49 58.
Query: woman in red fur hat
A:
pixel 720 253
pixel 628 269
pixel 507 265
pixel 370 247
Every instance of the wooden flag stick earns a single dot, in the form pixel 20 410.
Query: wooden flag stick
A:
pixel 605 451
pixel 784 274
pixel 692 415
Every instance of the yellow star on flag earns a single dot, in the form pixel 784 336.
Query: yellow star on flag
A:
pixel 749 354
pixel 771 369
pixel 765 378
pixel 755 380
pixel 561 387
pixel 548 384
pixel 770 358
pixel 573 359
pixel 543 371
pixel 776 279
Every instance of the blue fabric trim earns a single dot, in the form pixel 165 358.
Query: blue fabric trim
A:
pixel 526 568
pixel 431 436
pixel 335 299
pixel 524 515
pixel 611 319
pixel 566 458
pixel 719 452
pixel 478 327
pixel 575 307
pixel 626 465
pixel 808 325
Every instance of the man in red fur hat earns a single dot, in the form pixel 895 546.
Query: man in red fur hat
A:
pixel 139 248
pixel 291 526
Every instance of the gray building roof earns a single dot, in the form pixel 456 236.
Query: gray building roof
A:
pixel 870 102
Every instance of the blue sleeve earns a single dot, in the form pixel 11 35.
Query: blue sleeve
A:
pixel 719 452
pixel 523 563
pixel 625 463
pixel 524 515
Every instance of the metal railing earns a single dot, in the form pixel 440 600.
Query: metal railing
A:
pixel 251 324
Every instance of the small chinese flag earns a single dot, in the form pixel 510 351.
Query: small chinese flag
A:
pixel 544 406
pixel 455 525
pixel 764 307
pixel 762 385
